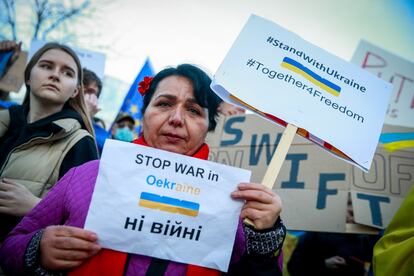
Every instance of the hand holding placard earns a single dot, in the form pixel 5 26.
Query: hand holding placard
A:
pixel 163 203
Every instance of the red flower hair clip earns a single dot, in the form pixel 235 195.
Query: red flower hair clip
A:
pixel 144 85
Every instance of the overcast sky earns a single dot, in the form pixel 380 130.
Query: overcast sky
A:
pixel 201 32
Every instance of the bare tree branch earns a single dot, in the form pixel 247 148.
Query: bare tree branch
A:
pixel 50 19
pixel 41 13
pixel 65 15
pixel 9 17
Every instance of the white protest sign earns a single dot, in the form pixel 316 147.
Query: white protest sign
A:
pixel 272 71
pixel 161 204
pixel 93 61
pixel 396 70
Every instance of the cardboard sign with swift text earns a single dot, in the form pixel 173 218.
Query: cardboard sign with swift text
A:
pixel 157 203
pixel 313 186
pixel 396 70
pixel 284 78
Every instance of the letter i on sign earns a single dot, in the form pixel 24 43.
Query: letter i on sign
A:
pixel 212 176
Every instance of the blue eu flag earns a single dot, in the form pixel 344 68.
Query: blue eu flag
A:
pixel 133 100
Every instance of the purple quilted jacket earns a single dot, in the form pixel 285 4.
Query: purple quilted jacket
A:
pixel 67 203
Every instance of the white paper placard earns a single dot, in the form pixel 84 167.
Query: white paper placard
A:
pixel 157 203
pixel 273 71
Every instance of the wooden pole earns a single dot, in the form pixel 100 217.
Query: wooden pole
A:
pixel 277 159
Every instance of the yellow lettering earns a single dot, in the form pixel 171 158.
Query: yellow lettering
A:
pixel 187 188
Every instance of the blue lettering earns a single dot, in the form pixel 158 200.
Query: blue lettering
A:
pixel 255 155
pixel 323 190
pixel 167 184
pixel 374 205
pixel 151 179
pixel 159 183
pixel 294 171
pixel 235 131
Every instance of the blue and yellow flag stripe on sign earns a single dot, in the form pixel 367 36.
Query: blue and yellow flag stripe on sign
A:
pixel 169 204
pixel 302 70
pixel 396 141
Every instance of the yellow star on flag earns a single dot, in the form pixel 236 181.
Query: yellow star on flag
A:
pixel 133 109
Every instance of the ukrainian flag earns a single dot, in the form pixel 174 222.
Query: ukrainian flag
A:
pixel 311 76
pixel 169 204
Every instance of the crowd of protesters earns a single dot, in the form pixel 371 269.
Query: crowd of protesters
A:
pixel 49 156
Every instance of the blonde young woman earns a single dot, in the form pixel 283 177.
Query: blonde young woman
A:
pixel 44 137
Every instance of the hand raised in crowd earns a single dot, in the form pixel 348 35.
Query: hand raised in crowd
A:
pixel 335 262
pixel 65 247
pixel 91 101
pixel 10 45
pixel 15 199
pixel 262 205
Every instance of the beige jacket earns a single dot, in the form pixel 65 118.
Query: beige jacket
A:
pixel 36 163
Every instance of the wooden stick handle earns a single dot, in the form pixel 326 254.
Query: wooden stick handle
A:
pixel 278 157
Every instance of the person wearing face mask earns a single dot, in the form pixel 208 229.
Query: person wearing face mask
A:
pixel 123 128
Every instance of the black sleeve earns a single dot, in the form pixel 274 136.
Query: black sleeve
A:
pixel 256 265
pixel 307 256
pixel 83 151
pixel 262 251
pixel 296 265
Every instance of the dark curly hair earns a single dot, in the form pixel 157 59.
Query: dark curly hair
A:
pixel 203 94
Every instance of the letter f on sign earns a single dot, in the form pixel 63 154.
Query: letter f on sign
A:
pixel 323 190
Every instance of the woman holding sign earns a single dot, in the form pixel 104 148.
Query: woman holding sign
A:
pixel 44 137
pixel 179 109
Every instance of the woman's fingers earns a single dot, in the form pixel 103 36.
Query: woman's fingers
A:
pixel 8 181
pixel 252 214
pixel 262 205
pixel 71 238
pixel 255 195
pixel 73 243
pixel 64 247
pixel 261 219
pixel 76 232
pixel 6 185
pixel 72 255
pixel 4 195
pixel 256 205
pixel 63 264
pixel 255 186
